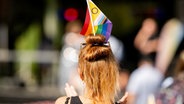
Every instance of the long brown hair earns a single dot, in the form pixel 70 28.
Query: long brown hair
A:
pixel 99 70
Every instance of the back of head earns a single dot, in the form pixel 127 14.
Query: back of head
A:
pixel 98 69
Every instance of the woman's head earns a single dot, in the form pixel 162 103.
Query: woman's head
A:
pixel 98 69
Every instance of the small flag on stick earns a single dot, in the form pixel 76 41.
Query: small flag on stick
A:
pixel 96 22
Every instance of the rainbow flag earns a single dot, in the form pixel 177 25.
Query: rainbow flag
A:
pixel 96 22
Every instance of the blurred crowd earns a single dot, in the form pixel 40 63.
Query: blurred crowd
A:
pixel 157 79
pixel 157 55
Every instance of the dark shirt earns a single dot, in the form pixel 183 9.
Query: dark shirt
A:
pixel 76 100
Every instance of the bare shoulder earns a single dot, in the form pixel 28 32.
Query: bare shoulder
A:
pixel 61 100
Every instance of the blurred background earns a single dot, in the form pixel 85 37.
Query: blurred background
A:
pixel 33 40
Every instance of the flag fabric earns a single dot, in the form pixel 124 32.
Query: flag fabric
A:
pixel 87 27
pixel 96 22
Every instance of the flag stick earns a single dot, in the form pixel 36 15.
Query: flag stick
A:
pixel 90 17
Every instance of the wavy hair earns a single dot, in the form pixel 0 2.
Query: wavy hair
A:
pixel 99 70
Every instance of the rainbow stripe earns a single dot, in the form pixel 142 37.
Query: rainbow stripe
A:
pixel 101 24
pixel 87 28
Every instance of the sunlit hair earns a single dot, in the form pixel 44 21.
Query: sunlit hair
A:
pixel 99 70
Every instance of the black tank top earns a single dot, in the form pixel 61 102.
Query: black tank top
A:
pixel 76 100
pixel 73 100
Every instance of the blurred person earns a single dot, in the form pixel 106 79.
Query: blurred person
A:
pixel 144 40
pixel 174 93
pixel 170 38
pixel 69 56
pixel 25 46
pixel 170 41
pixel 117 47
pixel 98 69
pixel 165 47
pixel 146 79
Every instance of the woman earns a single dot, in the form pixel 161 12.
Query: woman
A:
pixel 98 70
